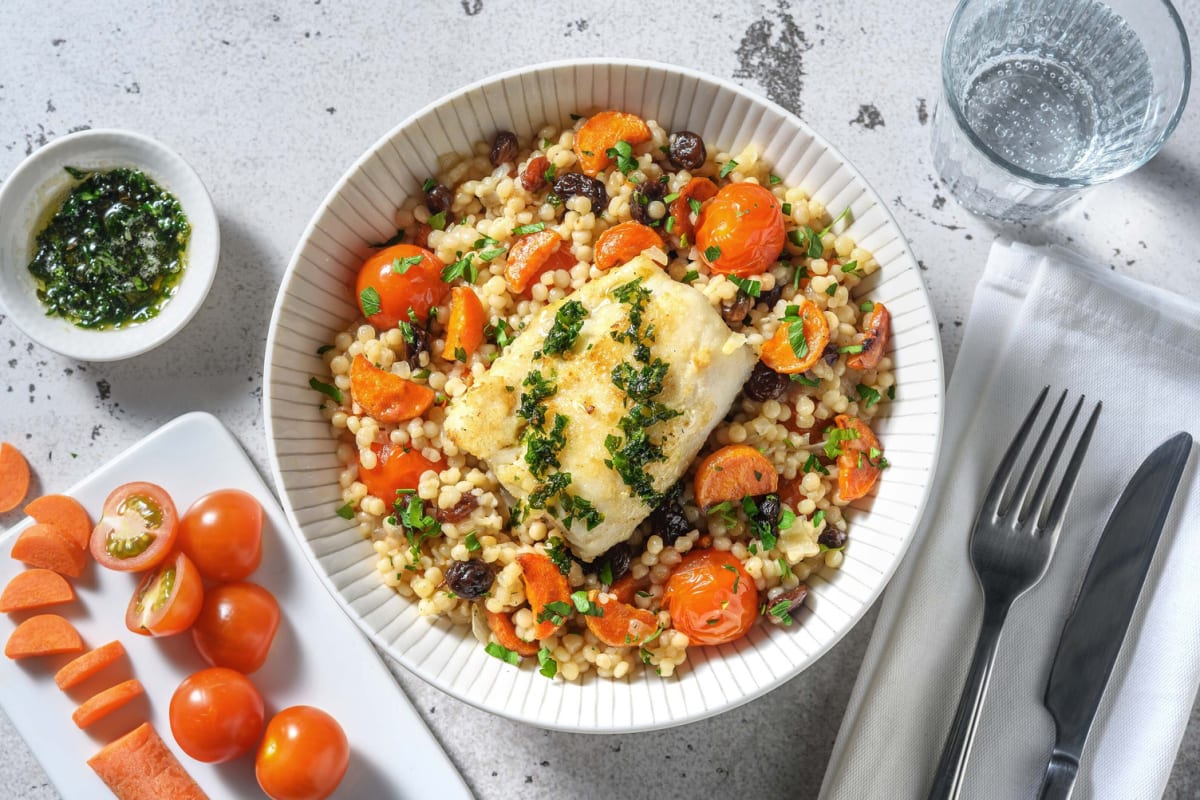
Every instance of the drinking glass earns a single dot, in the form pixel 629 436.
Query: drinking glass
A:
pixel 1043 98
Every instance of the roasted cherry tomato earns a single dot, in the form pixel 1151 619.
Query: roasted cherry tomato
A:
pixel 399 279
pixel 222 535
pixel 137 528
pixel 167 600
pixel 216 715
pixel 740 231
pixel 303 755
pixel 711 597
pixel 236 626
pixel 398 467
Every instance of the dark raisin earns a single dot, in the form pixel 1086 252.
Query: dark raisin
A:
pixel 831 353
pixel 619 559
pixel 764 383
pixel 459 511
pixel 771 297
pixel 734 313
pixel 505 148
pixel 470 579
pixel 769 510
pixel 793 597
pixel 414 344
pixel 646 194
pixel 439 199
pixel 687 150
pixel 832 538
pixel 570 184
pixel 533 177
pixel 668 520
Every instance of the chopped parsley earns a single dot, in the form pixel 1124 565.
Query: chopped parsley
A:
pixel 333 392
pixel 737 576
pixel 346 512
pixel 491 253
pixel 463 268
pixel 774 179
pixel 670 225
pixel 786 208
pixel 557 551
pixel 438 221
pixel 690 276
pixel 671 198
pixel 546 663
pixel 726 168
pixel 471 540
pixel 535 227
pixel 780 611
pixel 725 511
pixel 606 573
pixel 538 389
pixel 808 240
pixel 414 522
pixel 846 214
pixel 891 392
pixel 866 306
pixel 805 379
pixel 831 289
pixel 568 321
pixel 371 303
pixel 503 653
pixel 712 253
pixel 584 605
pixel 795 331
pixel 542 449
pixel 818 518
pixel 323 349
pixel 429 184
pixel 499 332
pixel 813 465
pixel 853 348
pixel 555 612
pixel 748 287
pixel 834 438
pixel 460 354
pixel 402 265
pixel 694 205
pixel 851 266
pixel 867 394
pixel 800 274
pixel 785 569
pixel 622 153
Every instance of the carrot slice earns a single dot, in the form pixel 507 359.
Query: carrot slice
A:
pixel 464 329
pixel 101 704
pixel 786 357
pixel 601 132
pixel 544 584
pixel 14 477
pixel 139 766
pixel 859 463
pixel 533 254
pixel 626 587
pixel 506 634
pixel 66 514
pixel 35 588
pixel 46 547
pixel 85 666
pixel 732 473
pixel 683 228
pixel 385 396
pixel 43 635
pixel 622 242
pixel 621 625
pixel 875 338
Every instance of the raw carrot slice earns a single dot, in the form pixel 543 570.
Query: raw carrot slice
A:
pixel 139 766
pixel 799 341
pixel 601 132
pixel 43 635
pixel 622 242
pixel 66 514
pixel 464 329
pixel 533 254
pixel 14 477
pixel 860 460
pixel 85 666
pixel 101 704
pixel 876 331
pixel 732 473
pixel 501 624
pixel 544 584
pixel 35 588
pixel 621 624
pixel 46 547
pixel 683 209
pixel 385 396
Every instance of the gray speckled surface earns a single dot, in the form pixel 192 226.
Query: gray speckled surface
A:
pixel 272 101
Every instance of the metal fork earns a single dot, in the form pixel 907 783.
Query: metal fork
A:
pixel 1011 545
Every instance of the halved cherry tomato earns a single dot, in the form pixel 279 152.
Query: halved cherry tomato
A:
pixel 216 715
pixel 303 756
pixel 859 461
pixel 167 600
pixel 601 132
pixel 711 597
pixel 694 192
pixel 396 280
pixel 740 231
pixel 137 528
pixel 222 534
pixel 236 626
pixel 778 352
pixel 875 329
pixel 398 467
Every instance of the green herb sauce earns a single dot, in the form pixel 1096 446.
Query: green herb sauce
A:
pixel 113 253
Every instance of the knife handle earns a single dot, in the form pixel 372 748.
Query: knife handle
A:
pixel 1059 778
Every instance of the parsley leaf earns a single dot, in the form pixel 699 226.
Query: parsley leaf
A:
pixel 795 331
pixel 568 321
pixel 866 306
pixel 428 184
pixel 503 653
pixel 867 394
pixel 402 265
pixel 804 379
pixel 548 666
pixel 331 391
pixel 622 153
pixel 463 268
pixel 584 605
pixel 557 551
pixel 346 512
pixel 471 540
pixel 690 276
pixel 712 253
pixel 726 168
pixel 750 288
pixel 371 303
pixel 438 221
pixel 535 227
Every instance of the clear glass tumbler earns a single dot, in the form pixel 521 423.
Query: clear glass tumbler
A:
pixel 1042 98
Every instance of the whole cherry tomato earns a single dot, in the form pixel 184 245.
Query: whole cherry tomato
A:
pixel 216 715
pixel 711 597
pixel 396 280
pixel 398 467
pixel 222 535
pixel 236 626
pixel 740 231
pixel 137 528
pixel 303 755
pixel 167 600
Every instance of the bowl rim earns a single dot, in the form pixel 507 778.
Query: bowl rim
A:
pixel 268 395
pixel 201 213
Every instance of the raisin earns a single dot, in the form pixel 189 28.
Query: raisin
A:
pixel 764 383
pixel 533 177
pixel 734 313
pixel 668 520
pixel 646 194
pixel 771 296
pixel 832 538
pixel 439 199
pixel 769 510
pixel 619 559
pixel 505 148
pixel 572 183
pixel 687 150
pixel 470 579
pixel 793 597
pixel 459 511
pixel 415 344
pixel 831 353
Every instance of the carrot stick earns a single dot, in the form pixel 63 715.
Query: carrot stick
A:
pixel 46 547
pixel 139 766
pixel 85 666
pixel 43 635
pixel 14 477
pixel 103 703
pixel 35 588
pixel 64 513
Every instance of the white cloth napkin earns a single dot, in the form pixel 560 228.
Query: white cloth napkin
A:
pixel 1040 317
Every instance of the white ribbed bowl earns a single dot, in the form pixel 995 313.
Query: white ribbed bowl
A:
pixel 316 301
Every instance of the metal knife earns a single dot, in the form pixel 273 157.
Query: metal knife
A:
pixel 1095 629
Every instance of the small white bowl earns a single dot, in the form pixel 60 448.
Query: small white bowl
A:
pixel 40 181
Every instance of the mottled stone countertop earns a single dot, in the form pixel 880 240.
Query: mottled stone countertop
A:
pixel 271 102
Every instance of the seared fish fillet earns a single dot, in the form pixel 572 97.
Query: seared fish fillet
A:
pixel 706 365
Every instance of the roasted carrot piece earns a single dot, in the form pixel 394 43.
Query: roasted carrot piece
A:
pixel 101 704
pixel 533 254
pixel 601 132
pixel 683 226
pixel 875 337
pixel 46 547
pixel 14 477
pixel 85 666
pixel 626 587
pixel 861 459
pixel 385 396
pixel 464 329
pixel 543 584
pixel 622 242
pixel 621 625
pixel 140 766
pixel 65 513
pixel 43 635
pixel 733 472
pixel 35 588
pixel 506 634
pixel 799 341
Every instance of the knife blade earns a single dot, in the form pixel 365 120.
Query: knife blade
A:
pixel 1096 626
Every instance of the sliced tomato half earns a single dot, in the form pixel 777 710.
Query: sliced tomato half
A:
pixel 137 528
pixel 168 600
